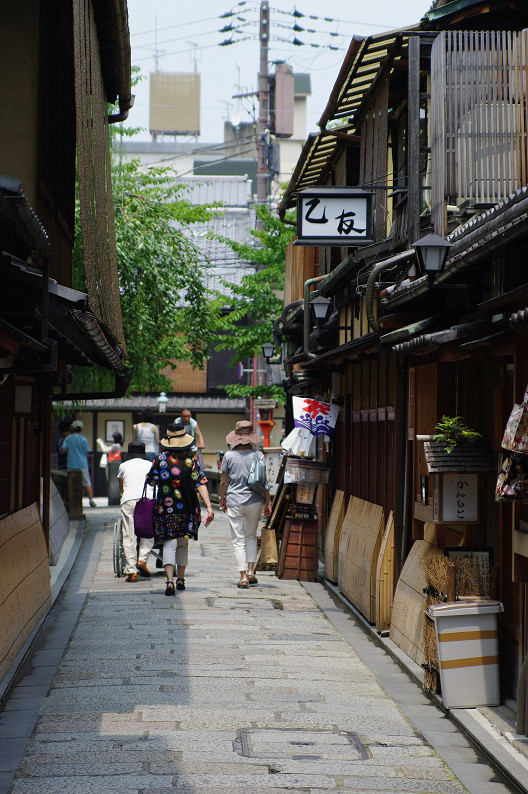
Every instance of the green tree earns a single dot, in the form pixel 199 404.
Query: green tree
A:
pixel 257 301
pixel 167 312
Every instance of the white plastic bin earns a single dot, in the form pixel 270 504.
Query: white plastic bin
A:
pixel 467 639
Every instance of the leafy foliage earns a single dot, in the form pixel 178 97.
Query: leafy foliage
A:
pixel 256 300
pixel 452 431
pixel 167 312
pixel 272 391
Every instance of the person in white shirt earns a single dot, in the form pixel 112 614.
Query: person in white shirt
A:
pixel 131 475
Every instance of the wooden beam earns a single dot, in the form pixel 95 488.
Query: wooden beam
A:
pixel 413 140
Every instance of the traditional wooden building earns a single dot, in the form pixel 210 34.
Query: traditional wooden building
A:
pixel 431 121
pixel 61 63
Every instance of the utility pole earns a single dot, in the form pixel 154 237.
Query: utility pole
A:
pixel 263 98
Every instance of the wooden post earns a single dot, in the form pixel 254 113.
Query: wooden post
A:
pixel 451 582
pixel 45 423
pixel 413 140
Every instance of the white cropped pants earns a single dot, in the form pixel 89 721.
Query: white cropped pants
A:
pixel 243 520
pixel 176 551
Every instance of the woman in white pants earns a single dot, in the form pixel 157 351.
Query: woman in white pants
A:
pixel 242 506
pixel 179 479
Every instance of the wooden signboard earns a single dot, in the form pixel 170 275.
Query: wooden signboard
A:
pixel 273 464
pixel 455 499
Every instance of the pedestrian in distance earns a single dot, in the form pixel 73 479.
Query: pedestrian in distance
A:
pixel 242 506
pixel 76 446
pixel 192 429
pixel 64 430
pixel 179 479
pixel 131 475
pixel 113 450
pixel 147 432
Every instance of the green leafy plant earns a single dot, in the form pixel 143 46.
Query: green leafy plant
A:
pixel 452 431
pixel 272 392
pixel 257 300
pixel 168 314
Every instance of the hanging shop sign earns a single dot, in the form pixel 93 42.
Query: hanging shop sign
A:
pixel 318 417
pixel 334 216
pixel 455 499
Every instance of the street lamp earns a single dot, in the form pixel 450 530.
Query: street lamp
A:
pixel 268 349
pixel 162 402
pixel 320 307
pixel 431 251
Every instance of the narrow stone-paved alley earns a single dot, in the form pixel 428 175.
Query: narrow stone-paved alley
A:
pixel 219 689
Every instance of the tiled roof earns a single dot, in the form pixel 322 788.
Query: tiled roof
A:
pixel 175 404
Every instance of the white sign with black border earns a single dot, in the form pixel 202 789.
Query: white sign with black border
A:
pixel 334 216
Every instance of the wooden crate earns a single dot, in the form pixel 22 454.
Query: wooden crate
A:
pixel 359 547
pixel 332 536
pixel 406 628
pixel 385 577
pixel 298 558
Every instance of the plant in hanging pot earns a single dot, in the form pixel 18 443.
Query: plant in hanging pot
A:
pixel 453 431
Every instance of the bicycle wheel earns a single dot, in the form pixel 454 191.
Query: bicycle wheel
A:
pixel 118 550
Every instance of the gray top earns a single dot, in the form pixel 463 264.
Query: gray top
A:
pixel 237 464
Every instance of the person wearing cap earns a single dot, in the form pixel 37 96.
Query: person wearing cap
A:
pixel 76 446
pixel 131 475
pixel 179 479
pixel 242 506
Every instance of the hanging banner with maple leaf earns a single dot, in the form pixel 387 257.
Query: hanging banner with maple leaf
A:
pixel 316 416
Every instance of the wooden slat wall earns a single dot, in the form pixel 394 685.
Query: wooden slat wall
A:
pixel 25 593
pixel 373 156
pixel 333 535
pixel 385 577
pixel 7 406
pixel 479 117
pixel 367 428
pixel 359 547
pixel 301 264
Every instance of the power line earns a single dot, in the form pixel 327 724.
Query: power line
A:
pixel 215 162
pixel 204 33
pixel 202 150
pixel 171 27
pixel 299 15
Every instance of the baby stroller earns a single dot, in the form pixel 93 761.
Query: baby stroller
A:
pixel 119 558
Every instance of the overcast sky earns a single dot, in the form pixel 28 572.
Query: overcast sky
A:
pixel 186 35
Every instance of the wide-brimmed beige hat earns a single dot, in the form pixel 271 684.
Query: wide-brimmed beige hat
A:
pixel 242 434
pixel 176 438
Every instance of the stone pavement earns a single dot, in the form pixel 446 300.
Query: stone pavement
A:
pixel 219 690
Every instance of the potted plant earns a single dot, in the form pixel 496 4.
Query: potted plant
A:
pixel 452 431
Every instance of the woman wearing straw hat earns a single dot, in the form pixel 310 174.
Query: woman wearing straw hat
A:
pixel 179 480
pixel 242 505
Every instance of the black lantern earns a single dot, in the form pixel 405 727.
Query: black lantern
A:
pixel 320 307
pixel 268 349
pixel 432 251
